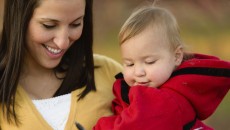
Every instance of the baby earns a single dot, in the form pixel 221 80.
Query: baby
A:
pixel 163 87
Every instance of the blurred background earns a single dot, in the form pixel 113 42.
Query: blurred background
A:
pixel 204 26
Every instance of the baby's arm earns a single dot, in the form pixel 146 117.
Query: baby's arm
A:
pixel 149 108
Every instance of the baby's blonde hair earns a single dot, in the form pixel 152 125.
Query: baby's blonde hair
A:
pixel 151 15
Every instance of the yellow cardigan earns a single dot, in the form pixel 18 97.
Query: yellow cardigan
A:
pixel 86 111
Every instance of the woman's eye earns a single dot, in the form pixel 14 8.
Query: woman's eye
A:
pixel 75 25
pixel 48 26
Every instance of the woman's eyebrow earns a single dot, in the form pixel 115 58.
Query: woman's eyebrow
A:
pixel 54 20
pixel 78 18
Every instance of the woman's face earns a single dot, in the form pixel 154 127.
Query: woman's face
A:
pixel 53 28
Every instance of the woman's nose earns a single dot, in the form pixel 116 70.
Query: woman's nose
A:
pixel 62 39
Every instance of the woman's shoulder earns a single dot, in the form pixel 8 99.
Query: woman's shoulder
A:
pixel 105 61
pixel 106 66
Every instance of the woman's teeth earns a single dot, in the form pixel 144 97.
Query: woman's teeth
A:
pixel 52 50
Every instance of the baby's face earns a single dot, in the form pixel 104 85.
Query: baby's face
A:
pixel 148 59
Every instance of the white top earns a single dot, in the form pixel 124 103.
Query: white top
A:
pixel 55 110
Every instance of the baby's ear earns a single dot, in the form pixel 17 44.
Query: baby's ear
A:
pixel 179 55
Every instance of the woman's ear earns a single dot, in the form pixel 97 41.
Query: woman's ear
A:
pixel 179 54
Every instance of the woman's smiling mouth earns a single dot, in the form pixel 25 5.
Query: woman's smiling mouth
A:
pixel 53 50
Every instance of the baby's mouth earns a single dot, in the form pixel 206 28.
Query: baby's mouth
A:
pixel 142 83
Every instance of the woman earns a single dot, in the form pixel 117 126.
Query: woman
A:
pixel 49 77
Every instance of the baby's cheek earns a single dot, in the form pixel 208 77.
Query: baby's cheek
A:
pixel 128 79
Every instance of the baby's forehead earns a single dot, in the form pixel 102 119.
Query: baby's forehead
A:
pixel 158 29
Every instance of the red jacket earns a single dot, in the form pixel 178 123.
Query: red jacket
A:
pixel 192 94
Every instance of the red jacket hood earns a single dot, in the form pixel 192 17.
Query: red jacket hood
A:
pixel 203 80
